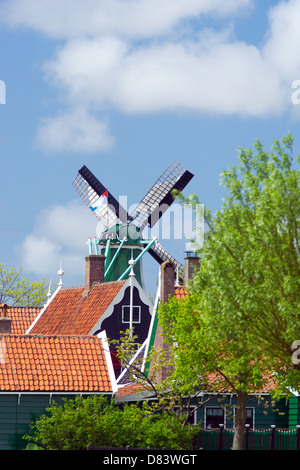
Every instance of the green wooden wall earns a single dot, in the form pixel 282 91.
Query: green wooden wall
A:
pixel 266 411
pixel 294 412
pixel 18 412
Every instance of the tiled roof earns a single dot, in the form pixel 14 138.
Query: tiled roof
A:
pixel 31 363
pixel 71 312
pixel 180 292
pixel 134 389
pixel 21 318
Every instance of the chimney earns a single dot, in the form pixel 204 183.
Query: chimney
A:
pixel 191 264
pixel 167 281
pixel 94 270
pixel 5 321
pixel 167 289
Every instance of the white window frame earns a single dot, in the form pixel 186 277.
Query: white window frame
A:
pixel 128 306
pixel 218 407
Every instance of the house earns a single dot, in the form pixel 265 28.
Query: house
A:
pixel 97 306
pixel 262 411
pixel 37 369
pixel 61 350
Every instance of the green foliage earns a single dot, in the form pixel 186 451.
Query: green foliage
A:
pixel 15 290
pixel 174 393
pixel 249 282
pixel 94 421
pixel 247 292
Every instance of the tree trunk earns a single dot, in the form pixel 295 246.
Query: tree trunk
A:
pixel 240 419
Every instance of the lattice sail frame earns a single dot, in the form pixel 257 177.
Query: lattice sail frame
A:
pixel 159 198
pixel 104 213
pixel 159 253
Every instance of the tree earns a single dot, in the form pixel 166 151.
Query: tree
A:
pixel 206 360
pixel 94 420
pixel 15 290
pixel 248 286
pixel 181 392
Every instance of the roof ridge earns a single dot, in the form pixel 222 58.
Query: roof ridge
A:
pixel 72 287
pixel 9 307
pixel 122 281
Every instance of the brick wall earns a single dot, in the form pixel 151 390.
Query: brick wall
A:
pixel 94 270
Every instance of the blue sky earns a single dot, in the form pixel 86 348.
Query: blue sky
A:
pixel 126 87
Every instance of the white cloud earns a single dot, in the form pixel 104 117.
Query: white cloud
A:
pixel 59 234
pixel 282 46
pixel 130 18
pixel 73 131
pixel 40 256
pixel 209 74
pixel 138 57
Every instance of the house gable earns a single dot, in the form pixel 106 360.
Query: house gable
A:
pixel 115 318
pixel 73 311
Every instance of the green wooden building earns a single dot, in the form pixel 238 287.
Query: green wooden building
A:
pixel 36 370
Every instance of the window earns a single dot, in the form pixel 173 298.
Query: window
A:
pixel 192 417
pixel 214 417
pixel 136 314
pixel 249 416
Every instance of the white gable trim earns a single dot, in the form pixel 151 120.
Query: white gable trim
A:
pixel 154 313
pixel 102 336
pixel 117 299
pixel 131 362
pixel 43 310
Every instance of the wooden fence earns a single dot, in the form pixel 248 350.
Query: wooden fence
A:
pixel 254 439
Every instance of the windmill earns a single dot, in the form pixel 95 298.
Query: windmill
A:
pixel 122 238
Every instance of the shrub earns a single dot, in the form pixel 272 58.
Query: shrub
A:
pixel 80 422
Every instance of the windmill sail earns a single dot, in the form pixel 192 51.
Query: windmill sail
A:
pixel 159 197
pixel 111 214
pixel 91 191
pixel 160 255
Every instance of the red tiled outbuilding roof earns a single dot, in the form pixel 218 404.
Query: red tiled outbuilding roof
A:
pixel 73 312
pixel 36 363
pixel 22 318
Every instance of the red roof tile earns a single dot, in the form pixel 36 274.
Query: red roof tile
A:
pixel 180 292
pixel 71 312
pixel 22 318
pixel 31 363
pixel 132 389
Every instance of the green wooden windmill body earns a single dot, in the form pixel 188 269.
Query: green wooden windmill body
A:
pixel 127 253
pixel 120 244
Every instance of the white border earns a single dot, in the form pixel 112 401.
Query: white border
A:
pixel 43 310
pixel 102 336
